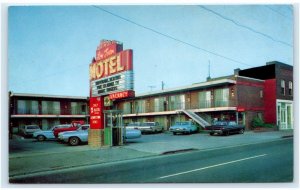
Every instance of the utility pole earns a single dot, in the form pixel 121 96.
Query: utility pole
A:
pixel 162 85
pixel 208 78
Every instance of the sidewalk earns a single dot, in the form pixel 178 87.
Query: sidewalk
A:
pixel 22 163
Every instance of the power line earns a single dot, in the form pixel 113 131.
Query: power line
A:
pixel 276 11
pixel 170 37
pixel 244 26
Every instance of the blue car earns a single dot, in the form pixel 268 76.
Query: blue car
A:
pixel 185 127
pixel 81 135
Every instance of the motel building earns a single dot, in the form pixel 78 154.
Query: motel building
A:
pixel 265 92
pixel 45 110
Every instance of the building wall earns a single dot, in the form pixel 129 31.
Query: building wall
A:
pixel 249 94
pixel 283 72
pixel 25 110
pixel 270 101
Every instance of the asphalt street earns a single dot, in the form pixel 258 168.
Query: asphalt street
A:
pixel 264 162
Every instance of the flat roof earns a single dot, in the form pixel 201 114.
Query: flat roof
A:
pixel 47 96
pixel 189 87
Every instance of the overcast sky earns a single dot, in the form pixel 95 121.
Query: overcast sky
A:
pixel 50 47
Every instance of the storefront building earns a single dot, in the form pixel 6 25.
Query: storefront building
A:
pixel 264 92
pixel 45 110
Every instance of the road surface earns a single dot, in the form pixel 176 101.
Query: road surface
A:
pixel 264 162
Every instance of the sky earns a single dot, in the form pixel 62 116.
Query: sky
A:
pixel 50 47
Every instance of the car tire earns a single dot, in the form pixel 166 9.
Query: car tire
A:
pixel 226 133
pixel 74 141
pixel 40 137
pixel 174 133
pixel 211 134
pixel 242 131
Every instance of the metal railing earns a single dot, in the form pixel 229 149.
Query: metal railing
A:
pixel 50 111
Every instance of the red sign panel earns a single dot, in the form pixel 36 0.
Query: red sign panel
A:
pixel 117 63
pixel 96 112
pixel 120 95
pixel 240 109
pixel 107 50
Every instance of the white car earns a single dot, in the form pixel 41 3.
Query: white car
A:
pixel 48 134
pixel 28 130
pixel 145 127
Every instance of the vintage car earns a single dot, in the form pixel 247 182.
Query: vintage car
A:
pixel 133 134
pixel 28 130
pixel 68 127
pixel 48 134
pixel 134 125
pixel 75 137
pixel 185 127
pixel 81 135
pixel 146 127
pixel 225 128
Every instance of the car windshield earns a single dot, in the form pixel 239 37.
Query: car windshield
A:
pixel 220 123
pixel 232 123
pixel 84 127
pixel 183 123
pixel 148 124
pixel 32 127
pixel 132 124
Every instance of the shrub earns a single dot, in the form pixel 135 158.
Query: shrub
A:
pixel 258 122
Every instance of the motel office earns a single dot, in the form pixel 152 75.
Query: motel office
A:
pixel 265 91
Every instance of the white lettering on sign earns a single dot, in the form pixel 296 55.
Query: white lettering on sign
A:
pixel 114 83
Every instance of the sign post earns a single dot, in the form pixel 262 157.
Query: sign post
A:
pixel 111 76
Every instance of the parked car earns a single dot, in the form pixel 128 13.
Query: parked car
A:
pixel 75 137
pixel 186 127
pixel 225 128
pixel 68 127
pixel 134 125
pixel 48 134
pixel 132 134
pixel 81 136
pixel 152 127
pixel 28 130
pixel 146 127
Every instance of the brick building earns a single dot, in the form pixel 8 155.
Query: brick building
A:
pixel 264 92
pixel 45 110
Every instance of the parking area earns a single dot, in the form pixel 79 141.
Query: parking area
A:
pixel 152 143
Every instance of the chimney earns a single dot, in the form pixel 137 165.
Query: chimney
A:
pixel 236 71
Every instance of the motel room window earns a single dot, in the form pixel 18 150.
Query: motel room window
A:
pixel 51 107
pixel 177 102
pixel 28 107
pixel 127 108
pixel 159 104
pixel 282 85
pixel 290 88
pixel 221 97
pixel 204 99
pixel 261 94
pixel 21 107
pixel 140 106
pixel 78 108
